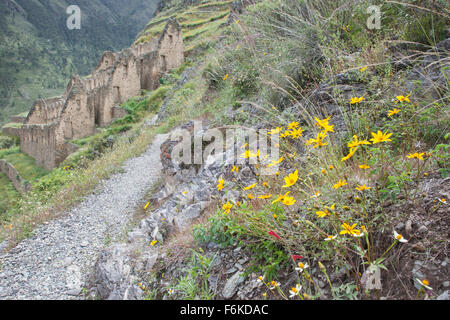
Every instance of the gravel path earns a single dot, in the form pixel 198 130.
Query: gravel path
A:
pixel 57 262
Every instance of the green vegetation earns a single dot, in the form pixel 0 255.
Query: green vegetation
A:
pixel 345 160
pixel 38 54
pixel 200 23
pixel 345 177
pixel 194 285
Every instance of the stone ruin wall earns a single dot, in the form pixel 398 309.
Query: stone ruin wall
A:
pixel 39 142
pixel 95 99
pixel 45 111
pixel 18 182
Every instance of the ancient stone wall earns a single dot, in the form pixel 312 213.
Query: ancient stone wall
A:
pixel 10 171
pixel 170 49
pixel 39 142
pixel 45 111
pixel 95 99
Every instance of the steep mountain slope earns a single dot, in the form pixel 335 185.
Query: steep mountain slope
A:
pixel 38 53
pixel 364 156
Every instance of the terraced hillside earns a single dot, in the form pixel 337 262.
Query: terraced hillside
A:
pixel 200 23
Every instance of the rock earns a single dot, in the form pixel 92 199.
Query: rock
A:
pixel 232 270
pixel 443 296
pixel 408 227
pixel 112 270
pixel 399 227
pixel 74 292
pixel 184 218
pixel 151 122
pixel 3 246
pixel 231 286
pixel 418 272
pixel 422 229
pixel 446 284
pixel 419 247
pixel 213 280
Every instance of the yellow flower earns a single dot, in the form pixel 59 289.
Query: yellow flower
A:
pixel 225 77
pixel 392 112
pixel 362 188
pixel 235 169
pixel 324 171
pixel 293 125
pixel 340 184
pixel 250 196
pixel 275 162
pixel 347 229
pixel 364 166
pixel 227 207
pixel 291 179
pixel 318 140
pixel 280 197
pixel 324 124
pixel 250 187
pixel 265 196
pixel 146 206
pixel 274 216
pixel 356 143
pixel 153 243
pixel 238 204
pixel 296 133
pixel 356 100
pixel 416 155
pixel 380 137
pixel 288 201
pixel 221 184
pixel 322 214
pixel 331 167
pixel 403 99
pixel 275 131
pixel 250 154
pixel 363 69
pixel 351 153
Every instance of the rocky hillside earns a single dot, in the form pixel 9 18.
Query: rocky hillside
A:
pixel 356 209
pixel 38 53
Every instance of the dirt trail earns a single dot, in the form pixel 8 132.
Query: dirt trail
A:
pixel 58 260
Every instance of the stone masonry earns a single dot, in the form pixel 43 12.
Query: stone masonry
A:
pixel 94 100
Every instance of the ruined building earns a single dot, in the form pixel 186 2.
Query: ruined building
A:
pixel 94 100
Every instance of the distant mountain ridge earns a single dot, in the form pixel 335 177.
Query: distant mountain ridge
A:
pixel 38 53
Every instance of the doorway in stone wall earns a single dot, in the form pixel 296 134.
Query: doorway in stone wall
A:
pixel 116 94
pixel 163 63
